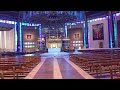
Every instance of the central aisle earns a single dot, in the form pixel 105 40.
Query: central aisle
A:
pixel 57 67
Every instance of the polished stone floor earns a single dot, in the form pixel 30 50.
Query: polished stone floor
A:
pixel 57 66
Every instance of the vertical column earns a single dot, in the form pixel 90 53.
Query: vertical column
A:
pixel 65 30
pixel 40 36
pixel 19 35
pixel 5 39
pixel 21 38
pixel 15 34
pixel 115 30
pixel 111 30
pixel 84 35
pixel 66 35
pixel 9 41
pixel 85 30
pixel 0 41
pixel 45 41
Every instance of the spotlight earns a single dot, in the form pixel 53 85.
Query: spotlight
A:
pixel 35 27
pixel 98 19
pixel 95 19
pixel 32 24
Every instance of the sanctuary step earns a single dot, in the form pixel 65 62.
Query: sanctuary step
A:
pixel 54 50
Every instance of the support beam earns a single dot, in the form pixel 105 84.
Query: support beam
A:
pixel 115 30
pixel 85 30
pixel 66 35
pixel 16 37
pixel 112 30
pixel 40 36
pixel 19 35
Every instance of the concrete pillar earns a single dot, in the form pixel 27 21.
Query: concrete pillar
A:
pixel 19 35
pixel 40 36
pixel 112 29
pixel 85 30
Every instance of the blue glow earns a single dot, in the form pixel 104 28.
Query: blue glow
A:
pixel 88 38
pixel 66 31
pixel 115 30
pixel 40 33
pixel 20 37
pixel 14 22
pixel 15 39
pixel 27 24
pixel 77 22
pixel 30 24
pixel 73 24
pixel 7 21
pixel 110 32
pixel 84 35
pixel 88 20
pixel 23 23
pixel 96 19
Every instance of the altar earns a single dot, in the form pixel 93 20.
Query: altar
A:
pixel 54 50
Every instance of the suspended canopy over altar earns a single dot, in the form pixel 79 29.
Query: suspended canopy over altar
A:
pixel 53 18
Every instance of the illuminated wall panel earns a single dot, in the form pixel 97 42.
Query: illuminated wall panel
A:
pixel 15 37
pixel 115 30
pixel 7 40
pixel 20 37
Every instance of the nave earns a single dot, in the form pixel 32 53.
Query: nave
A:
pixel 41 67
pixel 57 67
pixel 90 64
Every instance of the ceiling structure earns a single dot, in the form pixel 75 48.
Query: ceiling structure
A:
pixel 50 19
pixel 13 15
